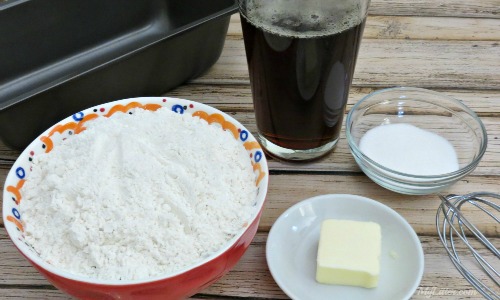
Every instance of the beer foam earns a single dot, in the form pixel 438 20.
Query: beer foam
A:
pixel 289 19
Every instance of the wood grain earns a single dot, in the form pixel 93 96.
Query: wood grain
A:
pixel 419 211
pixel 431 8
pixel 31 293
pixel 250 277
pixel 415 28
pixel 441 8
pixel 432 28
pixel 236 98
pixel 421 63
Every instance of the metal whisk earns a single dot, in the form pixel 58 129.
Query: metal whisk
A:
pixel 454 227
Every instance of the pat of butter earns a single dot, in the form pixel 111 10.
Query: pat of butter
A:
pixel 349 253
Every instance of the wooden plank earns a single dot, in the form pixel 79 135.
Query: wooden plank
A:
pixel 30 293
pixel 432 28
pixel 7 154
pixel 14 268
pixel 452 8
pixel 421 28
pixel 420 211
pixel 441 64
pixel 250 277
pixel 394 62
pixel 431 8
pixel 238 98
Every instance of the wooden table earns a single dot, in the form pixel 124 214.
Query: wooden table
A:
pixel 450 46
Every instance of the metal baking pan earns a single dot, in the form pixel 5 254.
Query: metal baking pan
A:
pixel 58 57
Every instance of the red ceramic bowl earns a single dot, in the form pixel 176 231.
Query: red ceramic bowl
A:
pixel 179 285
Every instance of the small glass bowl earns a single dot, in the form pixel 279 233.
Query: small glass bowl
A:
pixel 427 110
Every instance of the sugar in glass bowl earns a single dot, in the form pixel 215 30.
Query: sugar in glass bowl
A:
pixel 428 110
pixel 177 285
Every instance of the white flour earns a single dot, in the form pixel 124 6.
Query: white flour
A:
pixel 409 149
pixel 137 196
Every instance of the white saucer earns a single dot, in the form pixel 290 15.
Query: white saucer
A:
pixel 293 242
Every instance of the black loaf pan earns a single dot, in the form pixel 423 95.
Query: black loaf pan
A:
pixel 58 57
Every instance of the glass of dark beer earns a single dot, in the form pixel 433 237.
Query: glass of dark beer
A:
pixel 301 56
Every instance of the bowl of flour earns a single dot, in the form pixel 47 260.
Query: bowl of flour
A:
pixel 145 197
pixel 415 141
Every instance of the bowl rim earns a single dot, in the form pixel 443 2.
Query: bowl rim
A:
pixel 455 174
pixel 40 263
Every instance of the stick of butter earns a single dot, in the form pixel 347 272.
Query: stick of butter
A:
pixel 349 253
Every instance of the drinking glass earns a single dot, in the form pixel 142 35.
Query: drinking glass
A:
pixel 301 56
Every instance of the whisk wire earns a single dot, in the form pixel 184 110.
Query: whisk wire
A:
pixel 454 224
pixel 484 201
pixel 473 280
pixel 456 212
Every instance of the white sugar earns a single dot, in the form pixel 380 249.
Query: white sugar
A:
pixel 408 149
pixel 138 196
